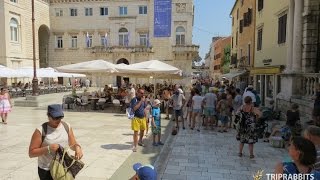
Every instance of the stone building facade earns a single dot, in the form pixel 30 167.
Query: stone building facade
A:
pixel 15 25
pixel 72 31
pixel 301 74
pixel 271 47
pixel 243 39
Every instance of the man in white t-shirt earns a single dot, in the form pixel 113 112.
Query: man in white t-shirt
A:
pixel 132 92
pixel 196 109
pixel 178 101
pixel 209 103
pixel 248 92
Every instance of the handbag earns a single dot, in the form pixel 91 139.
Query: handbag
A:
pixel 64 166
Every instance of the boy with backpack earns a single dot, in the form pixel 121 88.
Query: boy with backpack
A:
pixel 156 123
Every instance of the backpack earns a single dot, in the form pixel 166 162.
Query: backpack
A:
pixel 45 128
pixel 258 100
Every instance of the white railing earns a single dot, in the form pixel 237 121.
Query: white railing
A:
pixel 309 82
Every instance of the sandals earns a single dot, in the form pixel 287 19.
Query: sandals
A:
pixel 251 156
pixel 240 154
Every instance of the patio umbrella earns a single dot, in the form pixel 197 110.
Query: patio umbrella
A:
pixel 7 72
pixel 94 66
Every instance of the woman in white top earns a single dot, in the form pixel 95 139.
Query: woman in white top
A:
pixel 45 142
pixel 196 108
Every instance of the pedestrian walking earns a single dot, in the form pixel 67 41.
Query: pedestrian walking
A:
pixel 156 123
pixel 224 110
pixel 209 103
pixel 196 109
pixel 5 105
pixel 47 139
pixel 246 125
pixel 178 101
pixel 138 123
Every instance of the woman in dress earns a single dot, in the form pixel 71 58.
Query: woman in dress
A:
pixel 246 125
pixel 5 104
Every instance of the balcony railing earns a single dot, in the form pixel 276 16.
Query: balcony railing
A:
pixel 115 49
pixel 309 82
pixel 185 48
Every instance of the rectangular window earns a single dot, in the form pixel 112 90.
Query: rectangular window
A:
pixel 74 41
pixel 103 11
pixel 270 81
pixel 249 16
pixel 88 12
pixel 88 41
pixel 123 10
pixel 123 40
pixel 142 9
pixel 260 5
pixel 14 33
pixel 282 29
pixel 241 25
pixel 237 14
pixel 237 38
pixel 102 40
pixel 259 43
pixel 180 39
pixel 143 39
pixel 249 53
pixel 59 42
pixel 59 12
pixel 73 12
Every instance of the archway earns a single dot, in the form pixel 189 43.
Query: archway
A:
pixel 119 78
pixel 43 36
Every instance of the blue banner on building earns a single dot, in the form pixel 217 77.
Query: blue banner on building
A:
pixel 162 18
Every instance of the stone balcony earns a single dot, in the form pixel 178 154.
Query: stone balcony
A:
pixel 309 83
pixel 185 48
pixel 122 49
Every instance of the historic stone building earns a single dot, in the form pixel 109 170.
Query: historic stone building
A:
pixel 301 73
pixel 123 31
pixel 219 55
pixel 16 36
pixel 243 39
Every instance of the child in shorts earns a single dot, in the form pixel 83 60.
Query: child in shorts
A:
pixel 156 123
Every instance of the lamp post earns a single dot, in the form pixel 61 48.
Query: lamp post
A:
pixel 35 79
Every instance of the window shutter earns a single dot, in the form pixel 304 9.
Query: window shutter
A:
pixel 279 30
pixel 249 16
pixel 241 26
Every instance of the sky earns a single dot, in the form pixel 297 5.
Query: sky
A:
pixel 211 19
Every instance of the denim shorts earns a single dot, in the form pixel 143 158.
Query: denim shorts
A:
pixel 209 111
pixel 196 110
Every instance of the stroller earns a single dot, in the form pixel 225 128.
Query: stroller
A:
pixel 262 124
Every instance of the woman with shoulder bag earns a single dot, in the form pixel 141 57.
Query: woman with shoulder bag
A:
pixel 47 139
pixel 246 125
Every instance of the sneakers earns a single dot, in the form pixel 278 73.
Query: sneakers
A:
pixel 160 143
pixel 140 144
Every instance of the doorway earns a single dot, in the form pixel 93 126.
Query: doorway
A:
pixel 120 78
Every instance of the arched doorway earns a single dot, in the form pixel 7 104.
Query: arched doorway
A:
pixel 119 78
pixel 43 36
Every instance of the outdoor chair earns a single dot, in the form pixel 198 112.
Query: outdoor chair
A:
pixel 69 101
pixel 116 105
pixel 101 103
pixel 80 104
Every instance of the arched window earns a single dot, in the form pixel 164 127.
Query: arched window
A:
pixel 123 37
pixel 14 30
pixel 180 36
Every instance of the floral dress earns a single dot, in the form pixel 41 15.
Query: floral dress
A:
pixel 5 106
pixel 246 127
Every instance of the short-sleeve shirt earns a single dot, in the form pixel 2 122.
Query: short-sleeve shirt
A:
pixel 211 100
pixel 139 113
pixel 157 116
pixel 197 102
pixel 177 101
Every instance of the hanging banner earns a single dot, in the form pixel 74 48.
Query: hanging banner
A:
pixel 162 18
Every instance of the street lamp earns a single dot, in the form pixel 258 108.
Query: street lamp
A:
pixel 35 79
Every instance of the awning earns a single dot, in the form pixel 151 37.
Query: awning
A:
pixel 265 70
pixel 233 75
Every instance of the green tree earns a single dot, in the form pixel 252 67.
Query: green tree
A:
pixel 226 59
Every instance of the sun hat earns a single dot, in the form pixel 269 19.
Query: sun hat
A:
pixel 145 172
pixel 156 102
pixel 55 110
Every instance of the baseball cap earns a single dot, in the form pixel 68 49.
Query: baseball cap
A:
pixel 55 110
pixel 156 102
pixel 146 172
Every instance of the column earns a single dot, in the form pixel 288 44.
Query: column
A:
pixel 260 84
pixel 290 37
pixel 297 36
